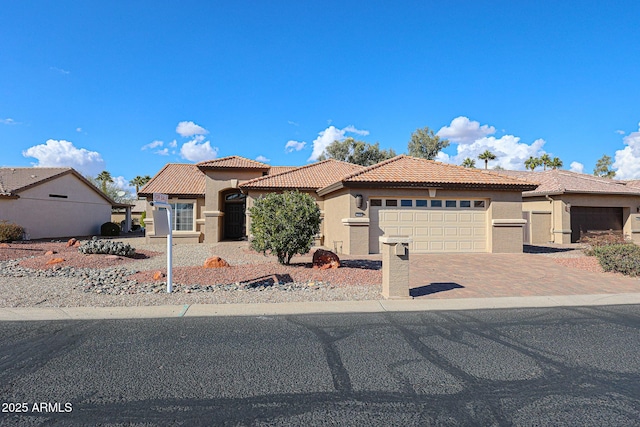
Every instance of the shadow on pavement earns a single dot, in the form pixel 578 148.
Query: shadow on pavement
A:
pixel 433 288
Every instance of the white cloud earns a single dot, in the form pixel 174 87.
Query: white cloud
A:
pixel 292 123
pixel 186 129
pixel 352 129
pixel 627 160
pixel 329 135
pixel 620 132
pixel 60 70
pixel 576 167
pixel 152 145
pixel 78 129
pixel 163 152
pixel 173 144
pixel 8 121
pixel 510 152
pixel 294 146
pixel 122 183
pixel 62 153
pixel 262 159
pixel 198 151
pixel 464 131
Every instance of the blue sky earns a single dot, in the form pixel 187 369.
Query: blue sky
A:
pixel 130 86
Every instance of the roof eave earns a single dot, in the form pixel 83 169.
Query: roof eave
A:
pixel 442 185
pixel 330 188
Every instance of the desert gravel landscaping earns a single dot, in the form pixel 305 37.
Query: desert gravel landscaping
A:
pixel 108 281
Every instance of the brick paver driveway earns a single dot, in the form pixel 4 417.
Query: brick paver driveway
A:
pixel 506 275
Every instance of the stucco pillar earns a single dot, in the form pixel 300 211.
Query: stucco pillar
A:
pixel 395 267
pixel 212 226
pixel 358 241
pixel 634 227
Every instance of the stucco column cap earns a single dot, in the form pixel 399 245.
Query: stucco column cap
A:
pixel 394 240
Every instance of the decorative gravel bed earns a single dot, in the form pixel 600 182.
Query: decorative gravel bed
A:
pixel 104 280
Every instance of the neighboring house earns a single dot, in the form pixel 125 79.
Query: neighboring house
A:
pixel 52 202
pixel 119 215
pixel 568 204
pixel 444 208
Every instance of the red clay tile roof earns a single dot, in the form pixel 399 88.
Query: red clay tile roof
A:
pixel 232 162
pixel 633 183
pixel 178 179
pixel 557 181
pixel 273 170
pixel 413 171
pixel 308 177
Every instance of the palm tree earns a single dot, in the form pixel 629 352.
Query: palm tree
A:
pixel 555 163
pixel 469 163
pixel 486 156
pixel 103 178
pixel 545 160
pixel 532 163
pixel 139 181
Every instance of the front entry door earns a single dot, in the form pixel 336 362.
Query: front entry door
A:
pixel 234 221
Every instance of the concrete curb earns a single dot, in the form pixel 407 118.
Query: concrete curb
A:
pixel 276 309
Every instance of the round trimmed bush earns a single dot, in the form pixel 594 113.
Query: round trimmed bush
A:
pixel 110 229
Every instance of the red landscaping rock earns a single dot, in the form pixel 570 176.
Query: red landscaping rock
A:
pixel 215 262
pixel 325 259
pixel 71 242
pixel 54 261
pixel 50 252
pixel 77 244
pixel 3 245
pixel 158 275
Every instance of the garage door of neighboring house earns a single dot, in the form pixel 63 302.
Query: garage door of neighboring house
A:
pixel 447 225
pixel 587 218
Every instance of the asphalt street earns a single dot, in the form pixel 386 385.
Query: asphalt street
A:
pixel 546 367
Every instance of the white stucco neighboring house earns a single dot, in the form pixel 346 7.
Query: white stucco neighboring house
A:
pixel 52 202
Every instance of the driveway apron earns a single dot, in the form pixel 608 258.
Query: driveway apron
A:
pixel 507 275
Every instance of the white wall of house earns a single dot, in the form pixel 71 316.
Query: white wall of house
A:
pixel 45 214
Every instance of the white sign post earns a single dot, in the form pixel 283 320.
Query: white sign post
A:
pixel 162 201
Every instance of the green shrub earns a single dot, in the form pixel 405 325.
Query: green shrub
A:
pixel 623 258
pixel 110 229
pixel 595 240
pixel 109 247
pixel 284 224
pixel 142 218
pixel 10 231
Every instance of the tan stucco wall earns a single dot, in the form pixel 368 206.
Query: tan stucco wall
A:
pixel 217 182
pixel 80 214
pixel 341 205
pixel 561 212
pixel 195 236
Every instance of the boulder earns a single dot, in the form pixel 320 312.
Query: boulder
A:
pixel 71 242
pixel 54 261
pixel 158 275
pixel 77 244
pixel 50 252
pixel 325 259
pixel 215 262
pixel 3 245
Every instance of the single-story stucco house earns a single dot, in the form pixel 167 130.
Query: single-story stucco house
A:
pixel 568 204
pixel 444 208
pixel 52 202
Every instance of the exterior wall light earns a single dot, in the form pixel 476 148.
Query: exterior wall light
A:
pixel 359 201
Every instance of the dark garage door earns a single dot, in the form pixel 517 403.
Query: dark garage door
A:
pixel 584 219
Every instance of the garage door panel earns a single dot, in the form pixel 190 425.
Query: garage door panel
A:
pixel 451 231
pixel 432 230
pixel 406 216
pixel 465 231
pixel 451 217
pixel 436 231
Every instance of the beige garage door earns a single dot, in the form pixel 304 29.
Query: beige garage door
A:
pixel 435 225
